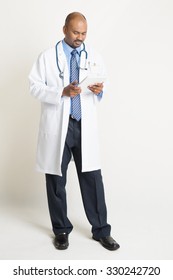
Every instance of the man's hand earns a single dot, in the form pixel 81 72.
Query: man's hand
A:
pixel 96 88
pixel 71 90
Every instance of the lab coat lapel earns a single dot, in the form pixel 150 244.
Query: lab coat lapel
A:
pixel 63 64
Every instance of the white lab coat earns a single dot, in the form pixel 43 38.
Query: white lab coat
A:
pixel 47 86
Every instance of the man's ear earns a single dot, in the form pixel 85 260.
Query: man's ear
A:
pixel 64 29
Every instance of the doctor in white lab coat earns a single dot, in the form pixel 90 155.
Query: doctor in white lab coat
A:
pixel 62 137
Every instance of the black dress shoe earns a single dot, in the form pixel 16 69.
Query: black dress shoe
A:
pixel 108 242
pixel 61 241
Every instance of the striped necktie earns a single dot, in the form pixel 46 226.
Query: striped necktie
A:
pixel 74 76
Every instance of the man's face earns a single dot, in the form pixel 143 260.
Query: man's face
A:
pixel 75 32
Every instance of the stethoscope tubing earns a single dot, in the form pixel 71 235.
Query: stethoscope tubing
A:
pixel 61 74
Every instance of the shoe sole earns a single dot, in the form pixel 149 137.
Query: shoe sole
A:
pixel 61 248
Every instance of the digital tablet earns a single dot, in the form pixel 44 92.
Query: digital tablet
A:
pixel 88 81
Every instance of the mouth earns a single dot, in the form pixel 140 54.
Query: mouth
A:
pixel 78 42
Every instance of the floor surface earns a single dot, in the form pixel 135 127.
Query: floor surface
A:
pixel 26 234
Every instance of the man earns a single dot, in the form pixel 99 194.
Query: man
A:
pixel 68 128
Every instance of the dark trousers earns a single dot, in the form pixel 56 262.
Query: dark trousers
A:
pixel 91 186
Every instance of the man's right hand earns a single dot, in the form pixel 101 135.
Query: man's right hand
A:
pixel 71 90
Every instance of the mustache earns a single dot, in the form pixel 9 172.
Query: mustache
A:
pixel 78 41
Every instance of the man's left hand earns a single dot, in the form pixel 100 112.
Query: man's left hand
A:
pixel 96 88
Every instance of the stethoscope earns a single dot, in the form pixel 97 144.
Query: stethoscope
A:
pixel 82 52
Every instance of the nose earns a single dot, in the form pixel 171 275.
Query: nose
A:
pixel 80 37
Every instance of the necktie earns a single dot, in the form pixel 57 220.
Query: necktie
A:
pixel 74 75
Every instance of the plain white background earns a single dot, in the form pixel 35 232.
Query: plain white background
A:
pixel 136 119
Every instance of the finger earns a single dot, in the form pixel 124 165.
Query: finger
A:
pixel 99 85
pixel 74 82
pixel 73 93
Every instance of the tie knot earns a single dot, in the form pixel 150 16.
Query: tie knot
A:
pixel 74 52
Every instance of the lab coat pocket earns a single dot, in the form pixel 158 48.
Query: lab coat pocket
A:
pixel 48 121
pixel 94 69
